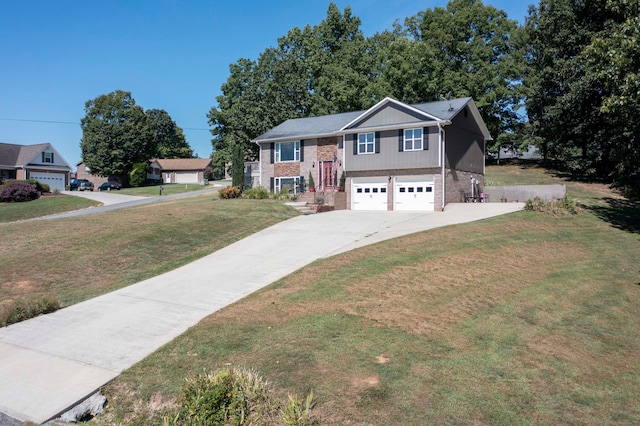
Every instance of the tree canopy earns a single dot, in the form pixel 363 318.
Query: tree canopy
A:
pixel 117 133
pixel 566 81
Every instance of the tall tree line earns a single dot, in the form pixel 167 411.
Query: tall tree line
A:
pixel 565 81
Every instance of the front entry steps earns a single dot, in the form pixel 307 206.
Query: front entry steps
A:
pixel 301 206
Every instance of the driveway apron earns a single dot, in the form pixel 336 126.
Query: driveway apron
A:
pixel 52 362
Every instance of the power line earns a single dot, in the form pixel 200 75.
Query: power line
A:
pixel 40 121
pixel 76 123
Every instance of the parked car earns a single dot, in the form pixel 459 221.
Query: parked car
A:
pixel 80 185
pixel 108 186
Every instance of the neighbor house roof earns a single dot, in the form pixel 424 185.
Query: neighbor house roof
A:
pixel 337 124
pixel 183 163
pixel 13 155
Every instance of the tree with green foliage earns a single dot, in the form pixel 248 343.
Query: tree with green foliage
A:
pixel 582 83
pixel 115 135
pixel 167 136
pixel 465 49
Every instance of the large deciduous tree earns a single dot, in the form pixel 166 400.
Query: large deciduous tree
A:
pixel 465 49
pixel 583 86
pixel 167 136
pixel 115 135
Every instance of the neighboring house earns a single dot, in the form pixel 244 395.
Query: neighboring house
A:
pixel 180 170
pixel 41 162
pixel 394 156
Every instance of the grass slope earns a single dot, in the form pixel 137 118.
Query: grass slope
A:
pixel 43 206
pixel 75 259
pixel 520 319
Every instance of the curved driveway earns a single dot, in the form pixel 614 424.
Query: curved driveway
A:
pixel 54 361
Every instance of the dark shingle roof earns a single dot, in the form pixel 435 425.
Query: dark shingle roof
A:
pixel 327 125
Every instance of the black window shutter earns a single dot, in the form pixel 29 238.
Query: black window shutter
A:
pixel 301 185
pixel 377 142
pixel 302 151
pixel 425 139
pixel 43 156
pixel 52 157
pixel 400 140
pixel 272 150
pixel 271 184
pixel 355 144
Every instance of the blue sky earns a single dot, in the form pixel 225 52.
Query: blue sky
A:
pixel 170 54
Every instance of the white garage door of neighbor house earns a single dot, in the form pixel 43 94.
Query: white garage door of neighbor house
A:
pixel 54 180
pixel 413 194
pixel 185 177
pixel 369 194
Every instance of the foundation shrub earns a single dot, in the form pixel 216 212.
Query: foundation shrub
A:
pixel 230 192
pixel 18 192
pixel 256 193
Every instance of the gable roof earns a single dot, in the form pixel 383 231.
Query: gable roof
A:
pixel 338 124
pixel 21 155
pixel 183 163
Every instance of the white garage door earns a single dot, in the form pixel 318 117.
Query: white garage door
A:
pixel 54 180
pixel 369 194
pixel 414 194
pixel 186 177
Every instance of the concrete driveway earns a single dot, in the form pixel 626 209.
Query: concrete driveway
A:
pixel 52 362
pixel 105 197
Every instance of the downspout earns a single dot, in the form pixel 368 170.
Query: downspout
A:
pixel 260 163
pixel 443 159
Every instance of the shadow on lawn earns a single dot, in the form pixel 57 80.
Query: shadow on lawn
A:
pixel 623 214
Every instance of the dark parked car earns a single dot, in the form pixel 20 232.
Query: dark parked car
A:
pixel 108 186
pixel 80 185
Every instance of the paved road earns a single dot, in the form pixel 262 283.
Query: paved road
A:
pixel 112 200
pixel 52 362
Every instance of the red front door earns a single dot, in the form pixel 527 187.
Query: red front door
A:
pixel 328 175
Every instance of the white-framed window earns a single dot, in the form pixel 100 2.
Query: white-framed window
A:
pixel 287 184
pixel 413 140
pixel 47 157
pixel 287 151
pixel 366 143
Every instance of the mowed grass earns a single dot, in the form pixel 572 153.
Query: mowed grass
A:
pixel 520 319
pixel 43 206
pixel 75 259
pixel 167 189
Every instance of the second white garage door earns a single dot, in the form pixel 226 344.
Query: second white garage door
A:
pixel 369 194
pixel 414 193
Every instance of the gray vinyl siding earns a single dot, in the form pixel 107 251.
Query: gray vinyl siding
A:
pixel 465 145
pixel 390 157
pixel 392 114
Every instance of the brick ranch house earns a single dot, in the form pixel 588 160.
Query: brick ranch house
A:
pixel 394 156
pixel 41 162
pixel 178 170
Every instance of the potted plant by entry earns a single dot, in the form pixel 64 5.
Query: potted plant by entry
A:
pixel 343 177
pixel 312 185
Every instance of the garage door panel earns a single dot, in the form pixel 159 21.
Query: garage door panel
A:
pixel 184 177
pixel 414 196
pixel 368 195
pixel 54 180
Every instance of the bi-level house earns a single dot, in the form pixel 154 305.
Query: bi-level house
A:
pixel 393 156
